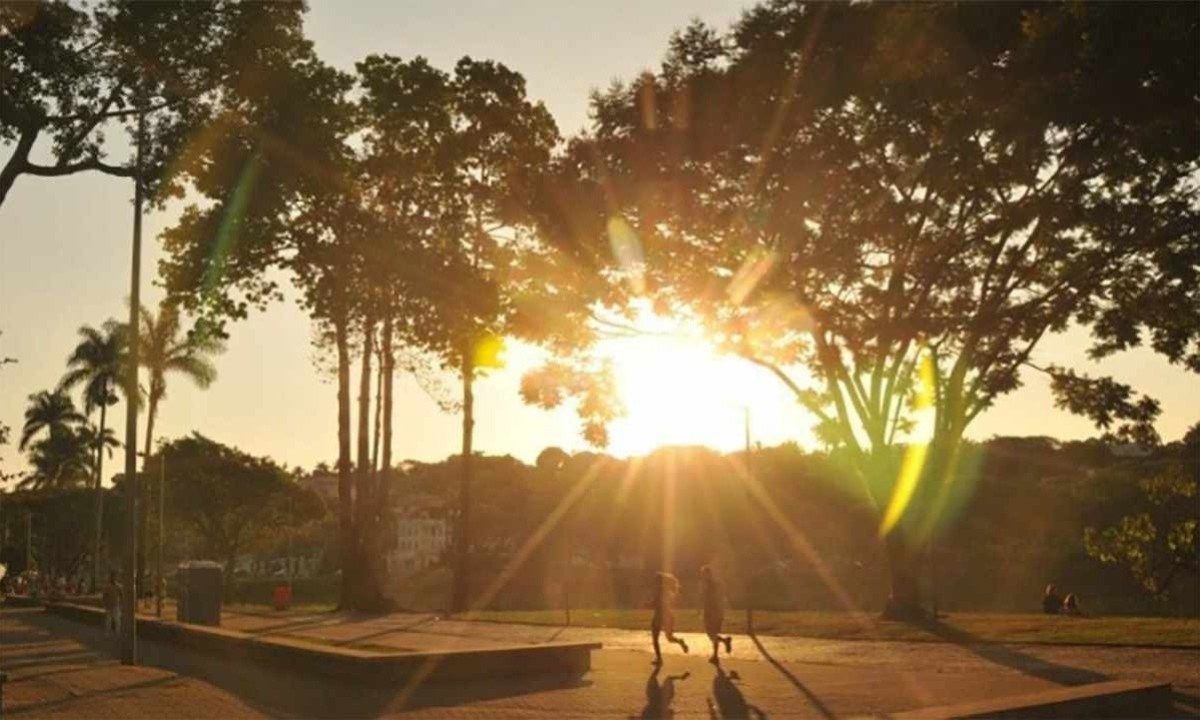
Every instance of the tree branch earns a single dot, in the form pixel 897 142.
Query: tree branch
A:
pixel 92 163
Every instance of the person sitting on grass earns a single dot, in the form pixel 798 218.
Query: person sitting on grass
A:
pixel 1052 602
pixel 713 592
pixel 1070 606
pixel 666 587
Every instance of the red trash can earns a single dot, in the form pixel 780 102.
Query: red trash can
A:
pixel 282 597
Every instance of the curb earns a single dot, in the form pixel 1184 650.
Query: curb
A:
pixel 1111 699
pixel 357 666
pixel 931 641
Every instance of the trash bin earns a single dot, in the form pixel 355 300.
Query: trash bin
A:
pixel 200 590
pixel 282 595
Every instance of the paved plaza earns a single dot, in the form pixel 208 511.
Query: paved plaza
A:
pixel 59 668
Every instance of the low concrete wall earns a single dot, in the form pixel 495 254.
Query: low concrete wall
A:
pixel 1111 699
pixel 352 665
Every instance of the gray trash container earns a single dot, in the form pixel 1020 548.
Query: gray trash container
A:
pixel 200 590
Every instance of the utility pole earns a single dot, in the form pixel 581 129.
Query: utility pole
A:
pixel 129 597
pixel 749 507
pixel 28 539
pixel 160 585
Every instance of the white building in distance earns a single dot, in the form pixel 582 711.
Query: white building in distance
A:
pixel 423 534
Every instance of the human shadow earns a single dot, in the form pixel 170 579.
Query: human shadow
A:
pixel 660 695
pixel 1010 658
pixel 727 700
pixel 808 694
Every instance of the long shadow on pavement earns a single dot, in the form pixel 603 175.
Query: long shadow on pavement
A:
pixel 727 701
pixel 386 631
pixel 1010 658
pixel 812 698
pixel 660 695
pixel 279 692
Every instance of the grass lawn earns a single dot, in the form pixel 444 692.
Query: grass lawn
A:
pixel 993 627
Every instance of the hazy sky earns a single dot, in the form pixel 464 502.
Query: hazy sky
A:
pixel 64 262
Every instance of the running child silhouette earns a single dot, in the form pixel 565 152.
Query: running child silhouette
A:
pixel 712 591
pixel 666 587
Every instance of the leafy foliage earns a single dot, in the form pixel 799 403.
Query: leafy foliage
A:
pixel 1162 539
pixel 231 499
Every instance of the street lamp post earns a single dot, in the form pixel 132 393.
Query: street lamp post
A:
pixel 160 584
pixel 129 597
pixel 749 506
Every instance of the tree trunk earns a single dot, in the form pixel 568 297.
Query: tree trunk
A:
pixel 389 368
pixel 378 549
pixel 346 535
pixel 459 601
pixel 99 501
pixel 904 568
pixel 378 413
pixel 366 587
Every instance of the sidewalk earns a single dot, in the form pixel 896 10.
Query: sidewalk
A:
pixel 778 677
pixel 55 675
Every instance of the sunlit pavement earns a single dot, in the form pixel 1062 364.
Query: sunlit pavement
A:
pixel 779 677
pixel 56 674
pixel 1062 664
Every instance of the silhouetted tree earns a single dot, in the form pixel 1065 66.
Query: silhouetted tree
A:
pixel 1163 538
pixel 906 199
pixel 96 363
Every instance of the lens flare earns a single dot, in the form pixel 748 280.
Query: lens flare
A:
pixel 489 352
pixel 231 222
pixel 913 465
pixel 627 251
pixel 754 268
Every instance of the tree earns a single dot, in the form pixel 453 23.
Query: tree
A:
pixel 61 459
pixel 229 498
pixel 166 349
pixel 500 148
pixel 51 411
pixel 96 364
pixel 73 71
pixel 283 196
pixel 1163 538
pixel 905 199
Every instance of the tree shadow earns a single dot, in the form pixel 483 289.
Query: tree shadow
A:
pixel 727 701
pixel 1010 658
pixel 808 694
pixel 660 695
pixel 282 691
pixel 386 631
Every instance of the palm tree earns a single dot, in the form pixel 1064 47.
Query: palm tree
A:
pixel 51 411
pixel 163 349
pixel 96 363
pixel 61 459
pixel 97 441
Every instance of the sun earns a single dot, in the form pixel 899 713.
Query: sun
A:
pixel 678 390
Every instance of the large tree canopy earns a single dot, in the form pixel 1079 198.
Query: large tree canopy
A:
pixel 906 199
pixel 74 73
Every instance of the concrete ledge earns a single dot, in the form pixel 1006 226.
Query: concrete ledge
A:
pixel 1111 699
pixel 353 665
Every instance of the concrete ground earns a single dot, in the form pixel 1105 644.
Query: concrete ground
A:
pixel 779 677
pixel 52 673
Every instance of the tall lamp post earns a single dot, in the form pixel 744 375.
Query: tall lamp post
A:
pixel 160 584
pixel 129 597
